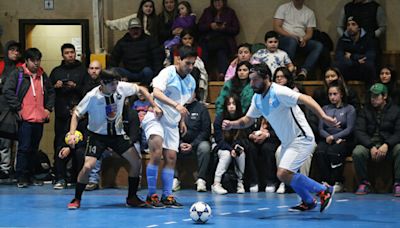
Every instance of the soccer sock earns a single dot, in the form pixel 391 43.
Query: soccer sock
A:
pixel 80 187
pixel 133 183
pixel 167 176
pixel 303 185
pixel 152 171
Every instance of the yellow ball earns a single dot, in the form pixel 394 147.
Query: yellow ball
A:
pixel 78 137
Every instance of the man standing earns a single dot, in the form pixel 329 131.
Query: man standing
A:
pixel 34 102
pixel 172 88
pixel 279 105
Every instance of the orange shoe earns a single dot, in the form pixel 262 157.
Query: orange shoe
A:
pixel 75 204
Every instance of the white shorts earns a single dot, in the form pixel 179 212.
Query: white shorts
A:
pixel 295 154
pixel 159 126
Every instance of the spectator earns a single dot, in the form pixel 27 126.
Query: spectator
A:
pixel 230 144
pixel 68 81
pixel 377 133
pixel 140 55
pixel 260 158
pixel 92 80
pixel 388 77
pixel 356 53
pixel 243 54
pixel 147 16
pixel 166 18
pixel 295 22
pixel 34 102
pixel 239 85
pixel 218 26
pixel 337 142
pixel 142 106
pixel 271 55
pixel 196 141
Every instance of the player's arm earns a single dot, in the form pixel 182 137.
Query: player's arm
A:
pixel 145 92
pixel 315 108
pixel 243 122
pixel 157 93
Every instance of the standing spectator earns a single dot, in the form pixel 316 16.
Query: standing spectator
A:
pixel 140 55
pixel 92 80
pixel 378 136
pixel 218 26
pixel 356 53
pixel 295 22
pixel 11 61
pixel 166 18
pixel 243 54
pixel 34 102
pixel 67 79
pixel 336 141
pixel 388 77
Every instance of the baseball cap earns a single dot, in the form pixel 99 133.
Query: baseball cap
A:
pixel 378 88
pixel 134 23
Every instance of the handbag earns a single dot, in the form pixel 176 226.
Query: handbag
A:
pixel 9 118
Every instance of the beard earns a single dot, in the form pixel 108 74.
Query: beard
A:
pixel 260 89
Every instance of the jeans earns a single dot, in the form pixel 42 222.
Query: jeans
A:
pixel 94 176
pixel 145 76
pixel 5 155
pixel 203 152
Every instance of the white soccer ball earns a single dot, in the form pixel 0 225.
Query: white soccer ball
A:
pixel 200 212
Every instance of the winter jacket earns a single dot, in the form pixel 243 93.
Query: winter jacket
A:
pixel 245 96
pixel 198 124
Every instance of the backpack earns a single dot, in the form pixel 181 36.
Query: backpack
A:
pixel 42 167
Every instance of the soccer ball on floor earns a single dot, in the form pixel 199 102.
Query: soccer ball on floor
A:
pixel 78 137
pixel 200 212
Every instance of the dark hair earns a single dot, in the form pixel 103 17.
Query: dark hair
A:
pixel 262 70
pixel 32 54
pixel 109 75
pixel 67 45
pixel 287 74
pixel 341 89
pixel 187 5
pixel 187 51
pixel 271 34
pixel 237 85
pixel 246 45
pixel 188 31
pixel 140 13
pixel 238 112
pixel 168 16
pixel 392 85
pixel 213 10
pixel 340 78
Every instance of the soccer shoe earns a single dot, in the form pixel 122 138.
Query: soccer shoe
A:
pixel 201 185
pixel 303 206
pixel 176 185
pixel 326 197
pixel 74 204
pixel 135 202
pixel 153 202
pixel 170 201
pixel 217 188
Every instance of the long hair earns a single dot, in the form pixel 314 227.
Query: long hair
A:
pixel 340 78
pixel 238 113
pixel 392 85
pixel 288 76
pixel 342 90
pixel 213 10
pixel 187 5
pixel 236 81
pixel 169 16
pixel 140 13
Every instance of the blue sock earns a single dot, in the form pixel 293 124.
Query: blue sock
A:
pixel 303 185
pixel 151 172
pixel 167 176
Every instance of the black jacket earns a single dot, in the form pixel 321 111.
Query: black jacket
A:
pixel 226 140
pixel 9 65
pixel 198 124
pixel 67 98
pixel 389 128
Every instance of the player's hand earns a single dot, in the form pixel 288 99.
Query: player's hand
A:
pixel 226 125
pixel 182 110
pixel 157 110
pixel 72 140
pixel 329 120
pixel 64 152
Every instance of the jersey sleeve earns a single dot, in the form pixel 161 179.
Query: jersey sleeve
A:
pixel 128 89
pixel 253 112
pixel 83 106
pixel 160 81
pixel 287 96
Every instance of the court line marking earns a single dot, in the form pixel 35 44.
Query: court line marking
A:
pixel 186 220
pixel 263 208
pixel 149 226
pixel 244 211
pixel 342 200
pixel 283 206
pixel 225 213
pixel 171 222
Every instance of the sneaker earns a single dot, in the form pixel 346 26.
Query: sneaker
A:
pixel 170 201
pixel 91 186
pixel 338 187
pixel 254 188
pixel 217 188
pixel 303 206
pixel 281 189
pixel 302 75
pixel 22 183
pixel 75 204
pixel 135 202
pixel 270 188
pixel 4 175
pixel 326 197
pixel 176 185
pixel 363 188
pixel 396 189
pixel 240 187
pixel 61 184
pixel 201 185
pixel 36 182
pixel 153 202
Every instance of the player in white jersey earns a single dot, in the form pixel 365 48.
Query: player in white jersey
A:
pixel 278 104
pixel 104 105
pixel 172 88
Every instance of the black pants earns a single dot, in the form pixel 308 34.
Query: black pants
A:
pixel 77 157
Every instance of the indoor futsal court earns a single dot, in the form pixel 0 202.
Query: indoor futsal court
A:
pixel 44 207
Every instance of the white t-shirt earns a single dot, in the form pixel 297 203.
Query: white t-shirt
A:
pixel 279 107
pixel 105 112
pixel 176 88
pixel 295 21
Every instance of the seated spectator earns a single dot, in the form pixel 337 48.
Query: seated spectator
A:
pixel 196 141
pixel 230 145
pixel 295 22
pixel 147 16
pixel 272 55
pixel 239 85
pixel 140 55
pixel 142 106
pixel 243 54
pixel 388 77
pixel 356 53
pixel 165 20
pixel 260 157
pixel 336 141
pixel 218 26
pixel 377 133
